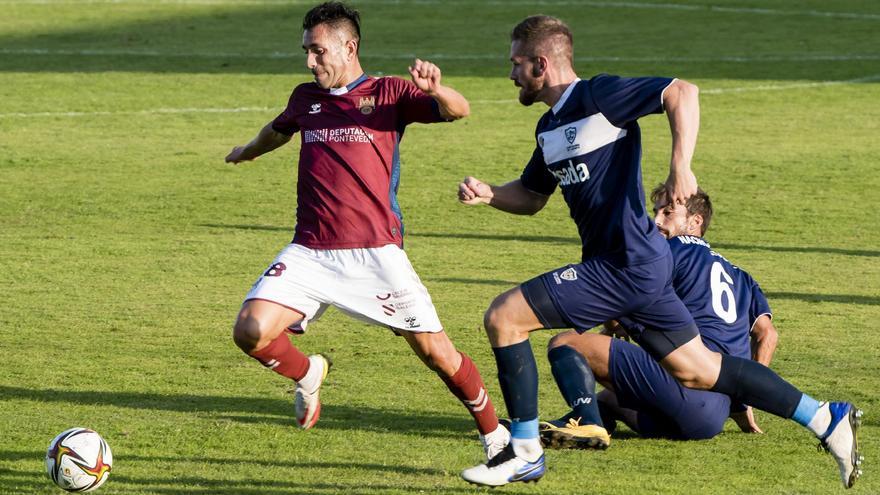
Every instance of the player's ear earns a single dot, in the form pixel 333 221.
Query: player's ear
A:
pixel 539 67
pixel 695 224
pixel 351 47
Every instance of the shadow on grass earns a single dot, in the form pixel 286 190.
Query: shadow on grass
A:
pixel 260 410
pixel 12 481
pixel 829 298
pixel 574 240
pixel 798 249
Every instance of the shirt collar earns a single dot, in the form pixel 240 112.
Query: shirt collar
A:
pixel 348 87
pixel 562 99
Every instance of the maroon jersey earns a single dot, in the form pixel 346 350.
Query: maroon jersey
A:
pixel 349 162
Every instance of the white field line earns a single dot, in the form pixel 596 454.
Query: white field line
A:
pixel 548 3
pixel 156 111
pixel 438 56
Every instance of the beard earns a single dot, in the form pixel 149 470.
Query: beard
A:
pixel 528 93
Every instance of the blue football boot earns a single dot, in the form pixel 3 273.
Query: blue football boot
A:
pixel 841 440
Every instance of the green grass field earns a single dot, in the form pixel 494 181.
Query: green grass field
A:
pixel 126 244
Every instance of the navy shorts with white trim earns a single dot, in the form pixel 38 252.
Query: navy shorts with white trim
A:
pixel 665 408
pixel 587 294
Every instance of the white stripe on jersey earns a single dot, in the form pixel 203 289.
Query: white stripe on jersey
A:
pixel 578 138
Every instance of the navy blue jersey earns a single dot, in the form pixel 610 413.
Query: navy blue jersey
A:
pixel 724 300
pixel 589 144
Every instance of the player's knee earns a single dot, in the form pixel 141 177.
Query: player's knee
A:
pixel 247 333
pixel 692 378
pixel 560 340
pixel 492 319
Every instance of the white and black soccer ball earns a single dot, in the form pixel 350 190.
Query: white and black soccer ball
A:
pixel 79 460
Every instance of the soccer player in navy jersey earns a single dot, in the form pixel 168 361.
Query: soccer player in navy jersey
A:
pixel 588 144
pixel 347 246
pixel 728 307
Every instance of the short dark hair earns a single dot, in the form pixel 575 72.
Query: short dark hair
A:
pixel 544 34
pixel 335 14
pixel 699 203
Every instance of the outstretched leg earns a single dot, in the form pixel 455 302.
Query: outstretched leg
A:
pixel 835 424
pixel 463 379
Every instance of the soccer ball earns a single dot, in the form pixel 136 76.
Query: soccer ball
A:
pixel 79 460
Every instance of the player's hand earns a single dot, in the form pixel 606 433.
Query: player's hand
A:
pixel 746 421
pixel 425 75
pixel 237 155
pixel 680 186
pixel 473 192
pixel 614 330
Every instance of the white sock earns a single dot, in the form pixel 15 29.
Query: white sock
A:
pixel 527 448
pixel 312 380
pixel 820 422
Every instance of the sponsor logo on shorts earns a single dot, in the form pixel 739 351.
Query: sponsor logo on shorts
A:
pixel 411 322
pixel 275 270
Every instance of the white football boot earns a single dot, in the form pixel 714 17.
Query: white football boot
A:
pixel 494 442
pixel 841 440
pixel 307 402
pixel 505 468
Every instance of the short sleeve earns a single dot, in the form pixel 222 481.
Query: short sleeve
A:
pixel 759 305
pixel 285 122
pixel 626 99
pixel 536 177
pixel 413 105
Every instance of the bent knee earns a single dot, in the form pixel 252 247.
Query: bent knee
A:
pixel 248 333
pixel 561 339
pixel 695 379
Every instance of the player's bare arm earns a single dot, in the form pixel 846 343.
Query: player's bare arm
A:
pixel 426 76
pixel 512 197
pixel 764 340
pixel 682 105
pixel 266 140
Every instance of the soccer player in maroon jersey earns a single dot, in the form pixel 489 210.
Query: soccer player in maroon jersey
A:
pixel 347 247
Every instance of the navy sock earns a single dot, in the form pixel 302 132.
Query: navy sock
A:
pixel 754 384
pixel 576 382
pixel 518 376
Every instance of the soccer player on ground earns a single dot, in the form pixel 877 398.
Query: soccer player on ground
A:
pixel 347 247
pixel 729 309
pixel 589 145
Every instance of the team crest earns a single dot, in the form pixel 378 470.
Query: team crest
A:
pixel 570 134
pixel 367 104
pixel 569 275
pixel 316 108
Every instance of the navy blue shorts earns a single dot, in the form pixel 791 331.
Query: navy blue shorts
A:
pixel 587 294
pixel 665 408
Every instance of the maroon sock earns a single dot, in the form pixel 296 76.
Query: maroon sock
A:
pixel 468 386
pixel 283 358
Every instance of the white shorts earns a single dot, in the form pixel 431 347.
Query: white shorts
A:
pixel 376 285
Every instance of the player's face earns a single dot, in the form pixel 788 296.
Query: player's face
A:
pixel 523 75
pixel 672 219
pixel 328 55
